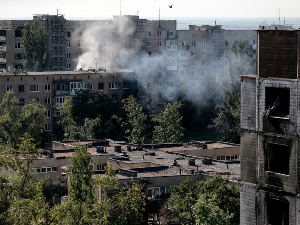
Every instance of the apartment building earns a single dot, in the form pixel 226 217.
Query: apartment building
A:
pixel 270 132
pixel 51 88
pixel 165 60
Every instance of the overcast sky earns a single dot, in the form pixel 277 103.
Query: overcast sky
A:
pixel 150 8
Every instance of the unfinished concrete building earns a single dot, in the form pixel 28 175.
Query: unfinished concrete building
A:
pixel 270 132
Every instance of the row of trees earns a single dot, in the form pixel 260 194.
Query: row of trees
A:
pixel 22 200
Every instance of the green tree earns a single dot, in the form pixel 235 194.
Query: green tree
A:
pixel 119 206
pixel 227 121
pixel 23 202
pixel 78 209
pixel 168 128
pixel 69 125
pixel 207 212
pixel 16 121
pixel 204 202
pixel 87 130
pixel 135 121
pixel 130 202
pixel 34 46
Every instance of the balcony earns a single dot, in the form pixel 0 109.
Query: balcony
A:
pixel 2 38
pixel 2 60
pixel 61 92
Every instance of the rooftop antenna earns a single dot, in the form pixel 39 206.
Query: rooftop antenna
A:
pixel 137 12
pixel 57 11
pixel 278 10
pixel 159 18
pixel 120 7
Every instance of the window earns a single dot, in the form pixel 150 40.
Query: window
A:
pixel 34 88
pixel 148 85
pixel 159 74
pixel 278 158
pixel 226 43
pixel 159 84
pixel 192 53
pixel 202 63
pixel 18 45
pixel 47 87
pixel 48 101
pixel 21 101
pixel 68 65
pixel 113 85
pixel 68 33
pixel 124 34
pixel 159 33
pixel 158 193
pixel 79 45
pixel 159 43
pixel 277 102
pixel 36 99
pixel 101 86
pixel 114 98
pixel 203 43
pixel 124 44
pixel 18 56
pixel 149 33
pixel 48 127
pixel 9 88
pixel 79 34
pixel 69 55
pixel 278 210
pixel 100 167
pixel 48 114
pixel 113 33
pixel 203 53
pixel 59 100
pixel 148 44
pixel 193 43
pixel 18 32
pixel 21 88
pixel 68 45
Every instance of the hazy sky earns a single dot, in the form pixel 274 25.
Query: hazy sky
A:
pixel 150 8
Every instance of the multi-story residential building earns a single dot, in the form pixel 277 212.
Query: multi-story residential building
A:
pixel 51 88
pixel 165 60
pixel 270 132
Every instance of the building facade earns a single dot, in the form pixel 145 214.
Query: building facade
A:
pixel 165 60
pixel 270 128
pixel 51 88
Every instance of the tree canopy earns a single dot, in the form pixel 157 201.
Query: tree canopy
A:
pixel 16 121
pixel 204 202
pixel 227 121
pixel 135 121
pixel 167 124
pixel 34 46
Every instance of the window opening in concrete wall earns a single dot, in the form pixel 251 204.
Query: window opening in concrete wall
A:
pixel 18 32
pixel 21 101
pixel 278 157
pixel 21 88
pixel 3 33
pixel 277 102
pixel 101 86
pixel 278 212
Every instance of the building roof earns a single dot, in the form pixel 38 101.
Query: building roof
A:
pixel 161 160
